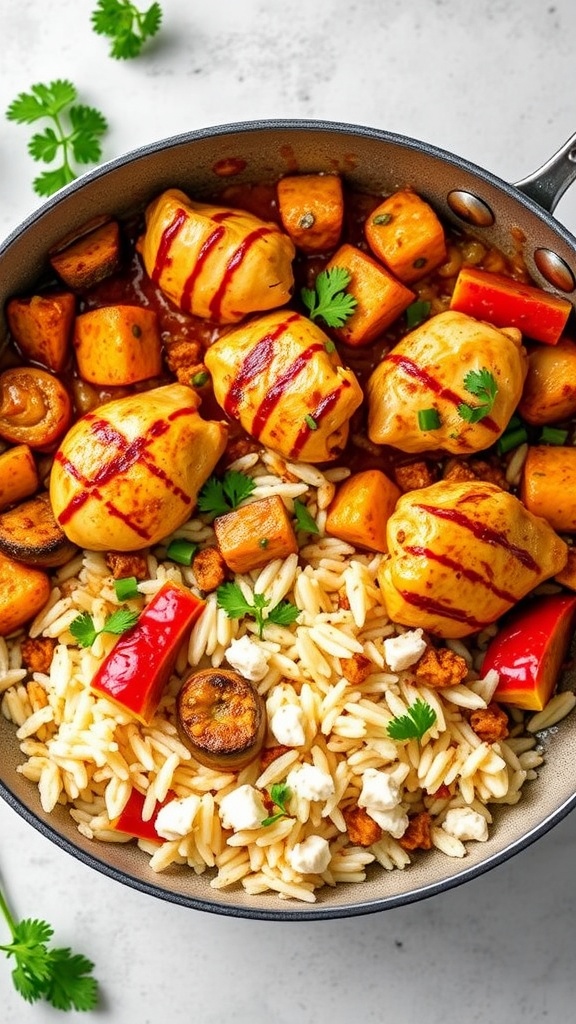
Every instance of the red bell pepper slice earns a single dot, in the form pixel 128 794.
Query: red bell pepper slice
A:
pixel 131 822
pixel 138 667
pixel 508 303
pixel 529 649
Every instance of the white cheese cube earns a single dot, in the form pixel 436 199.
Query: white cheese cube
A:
pixel 395 822
pixel 242 808
pixel 287 725
pixel 402 651
pixel 464 823
pixel 310 782
pixel 248 658
pixel 310 857
pixel 380 791
pixel 176 818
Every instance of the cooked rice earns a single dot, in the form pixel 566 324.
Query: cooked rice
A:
pixel 83 751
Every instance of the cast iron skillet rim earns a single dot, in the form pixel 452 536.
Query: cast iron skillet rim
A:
pixel 318 912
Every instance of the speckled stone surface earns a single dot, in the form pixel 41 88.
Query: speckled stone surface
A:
pixel 493 81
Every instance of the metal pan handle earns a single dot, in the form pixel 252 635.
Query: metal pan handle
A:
pixel 548 183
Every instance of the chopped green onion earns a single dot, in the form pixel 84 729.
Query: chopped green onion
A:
pixel 382 218
pixel 429 419
pixel 514 422
pixel 511 439
pixel 420 262
pixel 126 587
pixel 200 379
pixel 310 422
pixel 553 435
pixel 329 346
pixel 416 313
pixel 181 551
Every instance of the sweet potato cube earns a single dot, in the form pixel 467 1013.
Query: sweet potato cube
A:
pixel 18 475
pixel 41 326
pixel 311 208
pixel 361 508
pixel 405 233
pixel 89 258
pixel 380 297
pixel 251 536
pixel 118 345
pixel 23 592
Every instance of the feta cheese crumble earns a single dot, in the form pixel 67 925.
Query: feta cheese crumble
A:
pixel 380 791
pixel 310 782
pixel 402 651
pixel 248 658
pixel 394 822
pixel 311 856
pixel 242 808
pixel 464 823
pixel 287 725
pixel 176 818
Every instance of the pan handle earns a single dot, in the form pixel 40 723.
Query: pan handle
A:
pixel 548 183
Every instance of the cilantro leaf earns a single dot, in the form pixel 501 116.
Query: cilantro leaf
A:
pixel 74 133
pixel 230 598
pixel 283 614
pixel 126 25
pixel 84 631
pixel 304 520
pixel 418 719
pixel 216 497
pixel 280 793
pixel 328 299
pixel 69 986
pixel 482 384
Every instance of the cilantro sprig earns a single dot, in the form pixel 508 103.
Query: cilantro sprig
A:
pixel 57 975
pixel 280 793
pixel 216 497
pixel 230 598
pixel 84 631
pixel 418 719
pixel 482 384
pixel 329 300
pixel 126 25
pixel 304 519
pixel 73 134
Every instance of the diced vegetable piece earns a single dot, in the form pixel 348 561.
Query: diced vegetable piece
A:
pixel 360 511
pixel 405 233
pixel 35 407
pixel 548 486
pixel 380 297
pixel 41 326
pixel 139 666
pixel 130 819
pixel 550 387
pixel 118 345
pixel 253 535
pixel 23 592
pixel 529 649
pixel 89 258
pixel 18 475
pixel 567 575
pixel 507 303
pixel 30 533
pixel 311 208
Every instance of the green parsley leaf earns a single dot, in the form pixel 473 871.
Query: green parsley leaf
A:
pixel 328 299
pixel 126 25
pixel 418 719
pixel 482 384
pixel 304 520
pixel 280 793
pixel 229 596
pixel 73 135
pixel 56 975
pixel 217 497
pixel 84 631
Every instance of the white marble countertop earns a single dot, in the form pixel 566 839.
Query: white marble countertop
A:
pixel 493 81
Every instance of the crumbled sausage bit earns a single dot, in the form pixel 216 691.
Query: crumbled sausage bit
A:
pixel 122 565
pixel 238 447
pixel 356 669
pixel 418 835
pixel 490 724
pixel 184 359
pixel 457 471
pixel 209 569
pixel 439 666
pixel 270 754
pixel 490 473
pixel 413 476
pixel 37 653
pixel 362 829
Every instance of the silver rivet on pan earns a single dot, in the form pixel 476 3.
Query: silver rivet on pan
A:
pixel 470 208
pixel 555 270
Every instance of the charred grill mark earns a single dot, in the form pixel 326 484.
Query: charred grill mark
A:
pixel 483 532
pixel 322 408
pixel 204 252
pixel 168 235
pixel 467 573
pixel 411 369
pixel 433 607
pixel 234 262
pixel 257 360
pixel 280 386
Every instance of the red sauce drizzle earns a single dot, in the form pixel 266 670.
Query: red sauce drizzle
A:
pixel 257 360
pixel 233 263
pixel 323 407
pixel 168 235
pixel 468 574
pixel 413 370
pixel 483 532
pixel 428 604
pixel 280 385
pixel 205 249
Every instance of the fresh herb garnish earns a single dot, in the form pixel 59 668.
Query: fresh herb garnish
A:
pixel 126 25
pixel 553 435
pixel 74 133
pixel 329 299
pixel 217 497
pixel 57 975
pixel 126 587
pixel 417 312
pixel 181 550
pixel 84 631
pixel 310 422
pixel 417 720
pixel 482 384
pixel 230 598
pixel 429 419
pixel 280 793
pixel 304 519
